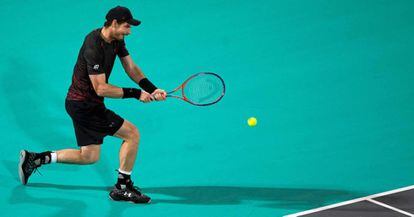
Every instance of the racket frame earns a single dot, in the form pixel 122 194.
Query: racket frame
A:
pixel 183 97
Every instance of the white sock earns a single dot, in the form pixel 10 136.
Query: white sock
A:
pixel 124 172
pixel 54 157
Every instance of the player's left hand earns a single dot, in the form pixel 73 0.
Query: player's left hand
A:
pixel 159 95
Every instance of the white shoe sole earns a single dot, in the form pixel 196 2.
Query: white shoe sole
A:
pixel 21 174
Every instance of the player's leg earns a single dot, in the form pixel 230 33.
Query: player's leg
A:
pixel 124 189
pixel 129 148
pixel 88 141
pixel 30 161
pixel 85 155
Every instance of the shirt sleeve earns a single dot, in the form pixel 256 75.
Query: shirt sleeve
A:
pixel 122 51
pixel 94 59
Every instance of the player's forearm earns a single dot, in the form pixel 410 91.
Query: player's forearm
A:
pixel 110 91
pixel 136 74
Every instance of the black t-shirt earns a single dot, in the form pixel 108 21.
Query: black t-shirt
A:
pixel 96 56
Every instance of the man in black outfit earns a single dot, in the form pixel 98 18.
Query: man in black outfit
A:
pixel 85 105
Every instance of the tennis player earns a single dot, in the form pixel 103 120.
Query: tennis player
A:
pixel 92 121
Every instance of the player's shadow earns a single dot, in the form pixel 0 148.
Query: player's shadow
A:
pixel 66 207
pixel 32 103
pixel 70 187
pixel 288 198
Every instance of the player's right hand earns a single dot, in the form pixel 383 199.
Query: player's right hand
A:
pixel 159 95
pixel 145 97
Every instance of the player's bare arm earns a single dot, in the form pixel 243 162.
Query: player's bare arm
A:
pixel 136 74
pixel 104 89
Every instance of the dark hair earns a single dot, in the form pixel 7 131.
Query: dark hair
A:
pixel 109 22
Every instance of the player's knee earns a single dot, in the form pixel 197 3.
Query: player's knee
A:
pixel 134 135
pixel 89 154
pixel 89 158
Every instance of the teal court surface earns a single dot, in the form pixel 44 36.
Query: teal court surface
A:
pixel 330 83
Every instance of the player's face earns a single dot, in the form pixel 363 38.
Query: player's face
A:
pixel 121 30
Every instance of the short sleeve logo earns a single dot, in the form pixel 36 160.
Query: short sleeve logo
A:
pixel 96 67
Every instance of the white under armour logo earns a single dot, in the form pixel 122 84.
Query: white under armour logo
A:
pixel 127 194
pixel 96 67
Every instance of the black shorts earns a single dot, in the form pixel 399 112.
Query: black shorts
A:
pixel 92 121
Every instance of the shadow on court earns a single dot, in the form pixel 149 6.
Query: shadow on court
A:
pixel 11 167
pixel 66 207
pixel 69 187
pixel 32 103
pixel 289 198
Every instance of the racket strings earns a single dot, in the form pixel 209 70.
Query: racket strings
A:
pixel 204 89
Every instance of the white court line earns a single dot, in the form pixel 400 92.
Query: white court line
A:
pixel 351 201
pixel 390 207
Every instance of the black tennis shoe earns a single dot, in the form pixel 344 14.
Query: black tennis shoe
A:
pixel 27 165
pixel 128 193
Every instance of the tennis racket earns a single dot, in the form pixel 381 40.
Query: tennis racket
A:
pixel 201 89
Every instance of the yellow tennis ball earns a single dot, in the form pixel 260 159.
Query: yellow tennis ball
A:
pixel 252 121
